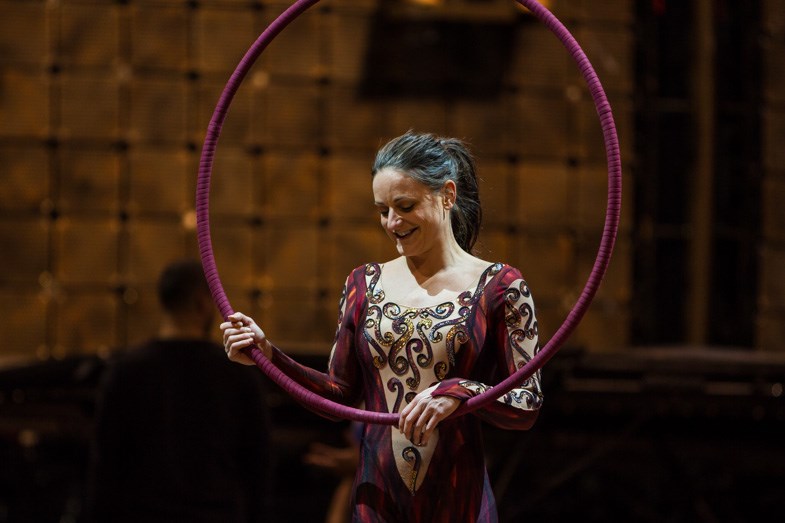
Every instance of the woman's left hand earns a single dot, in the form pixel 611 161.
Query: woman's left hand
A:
pixel 420 417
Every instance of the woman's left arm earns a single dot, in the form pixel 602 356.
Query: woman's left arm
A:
pixel 512 330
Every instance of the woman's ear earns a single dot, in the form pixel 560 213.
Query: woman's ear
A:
pixel 449 193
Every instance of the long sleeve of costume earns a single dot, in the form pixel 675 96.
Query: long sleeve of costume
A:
pixel 341 383
pixel 513 337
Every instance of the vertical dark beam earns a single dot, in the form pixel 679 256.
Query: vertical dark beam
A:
pixel 701 219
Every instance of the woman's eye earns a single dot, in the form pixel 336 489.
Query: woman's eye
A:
pixel 407 208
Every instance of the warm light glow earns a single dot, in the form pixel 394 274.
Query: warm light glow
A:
pixel 189 220
pixel 429 3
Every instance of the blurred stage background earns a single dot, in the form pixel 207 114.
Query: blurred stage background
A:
pixel 666 404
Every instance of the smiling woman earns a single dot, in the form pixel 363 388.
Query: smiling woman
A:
pixel 426 335
pixel 417 336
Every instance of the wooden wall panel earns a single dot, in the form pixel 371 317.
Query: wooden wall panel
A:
pixel 158 181
pixel 350 247
pixel 485 124
pixel 494 245
pixel 142 313
pixel 610 51
pixel 293 318
pixel 351 121
pixel 289 184
pixel 23 22
pixel 151 24
pixel 25 255
pixel 234 245
pixel 294 115
pixel 617 284
pixel 232 184
pixel 542 126
pixel 620 11
pixel 299 50
pixel 25 177
pixel 88 250
pixel 24 326
pixel 590 189
pixel 348 31
pixel 25 104
pixel 89 181
pixel 291 256
pixel 431 116
pixel 89 107
pixel 543 197
pixel 547 263
pixel 498 200
pixel 350 193
pixel 88 35
pixel 151 244
pixel 86 322
pixel 539 60
pixel 104 110
pixel 223 35
pixel 606 324
pixel 158 111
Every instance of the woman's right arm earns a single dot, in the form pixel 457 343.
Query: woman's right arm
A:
pixel 341 383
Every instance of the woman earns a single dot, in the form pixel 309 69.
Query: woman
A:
pixel 419 334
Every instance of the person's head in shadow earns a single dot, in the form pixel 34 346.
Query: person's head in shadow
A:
pixel 188 311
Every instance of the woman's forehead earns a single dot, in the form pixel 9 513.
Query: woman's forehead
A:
pixel 387 180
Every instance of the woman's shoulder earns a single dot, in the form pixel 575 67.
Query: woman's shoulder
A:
pixel 504 275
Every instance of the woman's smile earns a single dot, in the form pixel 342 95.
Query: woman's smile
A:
pixel 401 235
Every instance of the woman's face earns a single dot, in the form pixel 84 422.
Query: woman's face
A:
pixel 413 215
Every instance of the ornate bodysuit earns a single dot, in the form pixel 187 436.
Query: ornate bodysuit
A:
pixel 385 353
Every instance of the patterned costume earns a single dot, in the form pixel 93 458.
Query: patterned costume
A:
pixel 385 353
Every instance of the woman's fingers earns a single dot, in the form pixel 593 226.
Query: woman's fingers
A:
pixel 415 418
pixel 238 341
pixel 240 332
pixel 239 317
pixel 423 414
pixel 409 417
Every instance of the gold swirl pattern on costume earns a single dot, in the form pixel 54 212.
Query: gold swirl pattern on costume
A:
pixel 420 344
pixel 527 396
pixel 412 456
pixel 396 387
pixel 440 369
pixel 402 324
pixel 373 271
pixel 373 335
pixel 414 348
pixel 424 360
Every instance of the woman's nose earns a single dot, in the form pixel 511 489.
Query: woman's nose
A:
pixel 393 220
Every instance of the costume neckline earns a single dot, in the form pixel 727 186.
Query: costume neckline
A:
pixel 376 288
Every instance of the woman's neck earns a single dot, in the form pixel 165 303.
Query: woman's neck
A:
pixel 438 259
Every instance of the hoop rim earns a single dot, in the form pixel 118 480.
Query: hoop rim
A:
pixel 602 260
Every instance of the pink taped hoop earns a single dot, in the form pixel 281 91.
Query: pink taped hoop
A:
pixel 612 217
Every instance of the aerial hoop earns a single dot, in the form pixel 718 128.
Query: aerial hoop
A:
pixel 612 216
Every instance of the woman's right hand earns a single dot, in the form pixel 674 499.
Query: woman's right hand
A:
pixel 240 332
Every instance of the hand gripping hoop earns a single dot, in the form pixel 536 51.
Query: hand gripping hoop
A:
pixel 612 216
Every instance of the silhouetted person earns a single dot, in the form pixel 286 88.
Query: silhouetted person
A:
pixel 181 432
